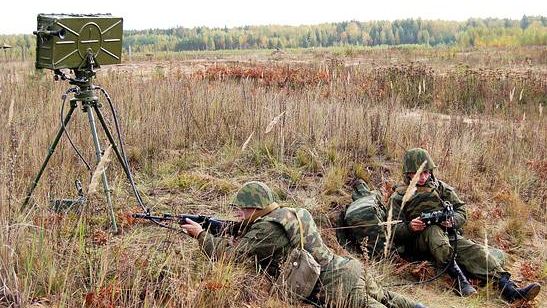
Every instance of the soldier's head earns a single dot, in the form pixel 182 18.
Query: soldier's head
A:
pixel 412 161
pixel 253 196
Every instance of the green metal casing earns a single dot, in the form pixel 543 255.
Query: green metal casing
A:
pixel 63 40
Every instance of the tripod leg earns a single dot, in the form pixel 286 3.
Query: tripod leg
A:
pixel 49 154
pixel 99 155
pixel 121 159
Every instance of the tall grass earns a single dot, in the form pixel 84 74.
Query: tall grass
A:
pixel 184 128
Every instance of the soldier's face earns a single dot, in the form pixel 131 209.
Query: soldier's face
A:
pixel 424 176
pixel 244 213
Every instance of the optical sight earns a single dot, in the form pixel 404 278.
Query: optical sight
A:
pixel 66 41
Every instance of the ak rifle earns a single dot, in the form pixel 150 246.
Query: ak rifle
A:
pixel 215 226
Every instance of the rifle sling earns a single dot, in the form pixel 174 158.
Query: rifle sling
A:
pixel 260 213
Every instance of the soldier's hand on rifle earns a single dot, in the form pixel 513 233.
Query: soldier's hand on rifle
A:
pixel 192 228
pixel 417 225
pixel 449 223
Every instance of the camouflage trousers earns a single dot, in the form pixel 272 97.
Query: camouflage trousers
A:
pixel 474 258
pixel 345 283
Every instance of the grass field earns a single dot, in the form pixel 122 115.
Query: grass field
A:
pixel 198 125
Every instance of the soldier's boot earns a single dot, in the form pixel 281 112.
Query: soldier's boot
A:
pixel 511 293
pixel 360 189
pixel 463 287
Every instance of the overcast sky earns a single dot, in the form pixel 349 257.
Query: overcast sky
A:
pixel 19 16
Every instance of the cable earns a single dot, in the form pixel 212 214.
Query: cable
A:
pixel 122 148
pixel 125 163
pixel 63 97
pixel 438 275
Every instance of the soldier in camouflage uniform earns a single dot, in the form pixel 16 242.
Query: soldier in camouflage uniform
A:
pixel 360 228
pixel 435 241
pixel 273 231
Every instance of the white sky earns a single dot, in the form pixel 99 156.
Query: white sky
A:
pixel 19 16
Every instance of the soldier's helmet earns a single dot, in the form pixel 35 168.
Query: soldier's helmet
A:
pixel 255 195
pixel 414 158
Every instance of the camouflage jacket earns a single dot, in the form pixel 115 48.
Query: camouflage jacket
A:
pixel 426 199
pixel 269 240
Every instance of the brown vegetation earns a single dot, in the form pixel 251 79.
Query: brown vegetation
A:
pixel 185 135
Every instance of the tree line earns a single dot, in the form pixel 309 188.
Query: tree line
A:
pixel 471 33
pixel 475 32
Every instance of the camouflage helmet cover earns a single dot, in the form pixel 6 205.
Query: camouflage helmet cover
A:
pixel 414 158
pixel 255 195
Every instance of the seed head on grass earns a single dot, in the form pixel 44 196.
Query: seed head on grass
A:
pixel 10 113
pixel 410 190
pixel 274 121
pixel 246 143
pixel 101 168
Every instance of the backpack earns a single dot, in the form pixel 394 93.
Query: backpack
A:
pixel 360 230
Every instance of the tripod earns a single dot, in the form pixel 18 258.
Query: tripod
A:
pixel 84 94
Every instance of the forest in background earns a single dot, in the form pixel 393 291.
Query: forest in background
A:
pixel 475 32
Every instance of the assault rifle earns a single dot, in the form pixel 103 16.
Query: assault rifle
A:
pixel 437 217
pixel 212 225
pixel 434 218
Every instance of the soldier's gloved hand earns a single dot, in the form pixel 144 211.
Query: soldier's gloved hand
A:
pixel 192 228
pixel 417 225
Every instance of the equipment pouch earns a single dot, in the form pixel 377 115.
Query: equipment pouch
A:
pixel 299 273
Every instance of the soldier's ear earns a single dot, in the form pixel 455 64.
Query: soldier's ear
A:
pixel 408 178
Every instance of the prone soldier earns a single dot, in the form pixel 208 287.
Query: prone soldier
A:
pixel 274 231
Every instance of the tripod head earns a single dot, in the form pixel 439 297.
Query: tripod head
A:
pixel 83 80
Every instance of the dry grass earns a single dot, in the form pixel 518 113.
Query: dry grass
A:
pixel 185 133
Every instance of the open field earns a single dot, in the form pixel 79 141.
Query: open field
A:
pixel 196 128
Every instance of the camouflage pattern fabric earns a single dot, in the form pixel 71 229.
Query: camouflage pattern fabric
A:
pixel 434 241
pixel 254 195
pixel 360 190
pixel 343 281
pixel 472 257
pixel 364 214
pixel 427 198
pixel 414 158
pixel 313 242
pixel 346 283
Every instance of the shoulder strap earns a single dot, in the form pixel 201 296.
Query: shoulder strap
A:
pixel 301 230
pixel 439 187
pixel 258 214
pixel 274 206
pixel 400 189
